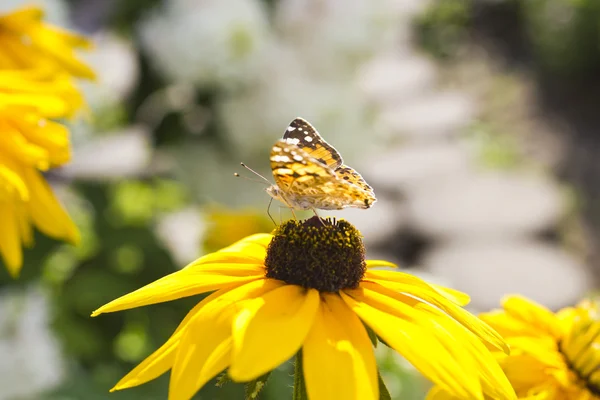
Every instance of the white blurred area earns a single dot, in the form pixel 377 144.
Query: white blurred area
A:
pixel 30 357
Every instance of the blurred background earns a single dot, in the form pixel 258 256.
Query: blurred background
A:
pixel 476 122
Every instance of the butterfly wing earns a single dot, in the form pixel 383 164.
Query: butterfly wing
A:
pixel 291 165
pixel 308 183
pixel 350 175
pixel 303 135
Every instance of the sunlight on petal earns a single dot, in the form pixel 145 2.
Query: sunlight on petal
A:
pixel 162 359
pixel 10 244
pixel 438 394
pixel 417 288
pixel 532 313
pixel 253 245
pixel 338 355
pixel 222 257
pixel 250 250
pixel 183 283
pixel 205 347
pixel 380 263
pixel 47 213
pixel 419 346
pixel 460 298
pixel 470 352
pixel 270 330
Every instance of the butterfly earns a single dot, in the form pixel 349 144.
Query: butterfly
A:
pixel 310 174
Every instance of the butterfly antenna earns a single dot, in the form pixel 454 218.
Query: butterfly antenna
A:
pixel 254 172
pixel 248 179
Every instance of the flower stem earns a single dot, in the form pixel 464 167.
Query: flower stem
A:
pixel 299 385
pixel 254 387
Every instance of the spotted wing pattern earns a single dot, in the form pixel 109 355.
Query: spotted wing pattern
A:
pixel 307 182
pixel 303 135
pixel 351 176
pixel 294 168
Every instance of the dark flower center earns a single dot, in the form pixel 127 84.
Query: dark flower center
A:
pixel 322 254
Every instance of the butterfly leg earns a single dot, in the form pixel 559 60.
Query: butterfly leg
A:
pixel 269 212
pixel 317 215
pixel 293 213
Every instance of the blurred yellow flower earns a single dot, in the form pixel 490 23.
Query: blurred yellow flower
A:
pixel 553 356
pixel 37 65
pixel 226 226
pixel 308 288
pixel 26 42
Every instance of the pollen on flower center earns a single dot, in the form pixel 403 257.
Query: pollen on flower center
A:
pixel 581 347
pixel 323 254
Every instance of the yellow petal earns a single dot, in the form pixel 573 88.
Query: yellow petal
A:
pixel 380 263
pixel 533 314
pixel 48 105
pixel 51 136
pixel 162 359
pixel 253 245
pixel 454 295
pixel 470 350
pixel 252 249
pixel 22 17
pixel 438 394
pixel 338 357
pixel 186 282
pixel 14 145
pixel 10 243
pixel 45 210
pixel 52 45
pixel 417 288
pixel 205 347
pixel 271 329
pixel 464 346
pixel 228 257
pixel 524 372
pixel 460 298
pixel 25 228
pixel 539 348
pixel 52 42
pixel 419 346
pixel 12 184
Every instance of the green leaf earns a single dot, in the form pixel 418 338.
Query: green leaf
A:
pixel 384 394
pixel 372 335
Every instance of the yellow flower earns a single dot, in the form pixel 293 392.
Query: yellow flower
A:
pixel 26 42
pixel 553 356
pixel 36 69
pixel 308 288
pixel 29 144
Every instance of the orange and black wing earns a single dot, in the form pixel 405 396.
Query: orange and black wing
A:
pixel 307 180
pixel 293 168
pixel 303 135
pixel 350 175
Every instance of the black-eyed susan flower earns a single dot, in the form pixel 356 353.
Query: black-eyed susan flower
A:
pixel 307 289
pixel 36 70
pixel 553 356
